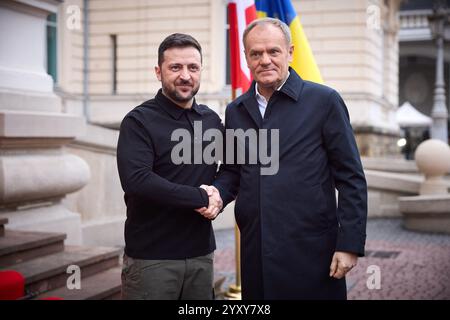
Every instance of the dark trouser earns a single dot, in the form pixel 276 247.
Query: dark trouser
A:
pixel 188 279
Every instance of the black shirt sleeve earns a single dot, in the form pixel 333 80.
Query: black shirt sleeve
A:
pixel 135 158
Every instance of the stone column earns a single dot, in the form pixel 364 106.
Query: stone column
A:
pixel 373 108
pixel 355 45
pixel 35 171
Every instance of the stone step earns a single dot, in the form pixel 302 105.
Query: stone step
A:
pixel 20 246
pixel 50 272
pixel 3 221
pixel 105 285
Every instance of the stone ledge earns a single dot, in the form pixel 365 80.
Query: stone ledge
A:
pixel 426 203
pixel 393 181
pixel 33 143
pixel 53 218
pixel 390 165
pixel 35 101
pixel 27 124
pixel 369 129
pixel 430 213
pixel 97 139
pixel 97 287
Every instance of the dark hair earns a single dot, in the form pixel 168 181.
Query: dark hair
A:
pixel 177 40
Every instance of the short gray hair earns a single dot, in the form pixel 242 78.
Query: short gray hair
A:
pixel 269 21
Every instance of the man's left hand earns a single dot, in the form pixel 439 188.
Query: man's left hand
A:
pixel 342 263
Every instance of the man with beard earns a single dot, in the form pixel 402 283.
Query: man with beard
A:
pixel 168 245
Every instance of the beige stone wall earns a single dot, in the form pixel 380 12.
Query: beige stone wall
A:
pixel 140 26
pixel 347 55
pixel 70 48
pixel 355 45
pixel 35 171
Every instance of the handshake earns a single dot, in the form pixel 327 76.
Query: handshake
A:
pixel 215 203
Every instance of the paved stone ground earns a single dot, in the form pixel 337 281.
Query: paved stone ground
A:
pixel 412 265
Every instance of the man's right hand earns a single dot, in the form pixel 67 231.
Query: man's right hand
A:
pixel 215 203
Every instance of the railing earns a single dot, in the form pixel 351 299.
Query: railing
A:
pixel 414 25
pixel 414 19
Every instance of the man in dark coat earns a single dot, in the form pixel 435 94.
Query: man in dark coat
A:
pixel 296 241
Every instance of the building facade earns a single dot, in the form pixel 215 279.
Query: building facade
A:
pixel 354 42
pixel 101 55
pixel 36 171
pixel 418 52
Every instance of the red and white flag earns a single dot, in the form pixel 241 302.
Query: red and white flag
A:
pixel 240 14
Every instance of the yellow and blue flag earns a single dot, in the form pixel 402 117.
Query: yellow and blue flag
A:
pixel 303 59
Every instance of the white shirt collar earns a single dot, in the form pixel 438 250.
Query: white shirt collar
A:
pixel 262 102
pixel 258 95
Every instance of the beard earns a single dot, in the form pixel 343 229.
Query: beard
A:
pixel 175 95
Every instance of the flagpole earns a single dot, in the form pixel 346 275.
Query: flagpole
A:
pixel 234 290
pixel 240 14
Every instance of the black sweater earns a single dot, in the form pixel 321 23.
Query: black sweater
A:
pixel 161 196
